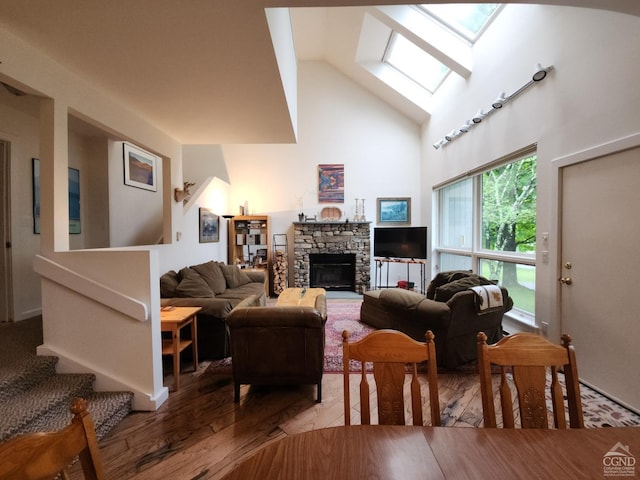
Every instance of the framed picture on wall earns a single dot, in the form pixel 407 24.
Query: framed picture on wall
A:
pixel 394 211
pixel 331 183
pixel 74 201
pixel 74 198
pixel 209 226
pixel 140 168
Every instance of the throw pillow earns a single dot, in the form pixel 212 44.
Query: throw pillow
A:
pixel 443 278
pixel 192 285
pixel 168 284
pixel 448 290
pixel 234 276
pixel 212 275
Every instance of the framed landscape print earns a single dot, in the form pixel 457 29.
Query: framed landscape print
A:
pixel 74 198
pixel 394 211
pixel 140 168
pixel 331 183
pixel 209 226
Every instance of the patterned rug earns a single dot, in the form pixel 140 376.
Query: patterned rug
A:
pixel 598 410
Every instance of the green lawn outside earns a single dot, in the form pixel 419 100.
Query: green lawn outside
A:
pixel 524 297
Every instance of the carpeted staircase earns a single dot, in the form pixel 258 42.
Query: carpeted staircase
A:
pixel 34 398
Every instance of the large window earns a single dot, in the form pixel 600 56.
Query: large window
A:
pixel 487 223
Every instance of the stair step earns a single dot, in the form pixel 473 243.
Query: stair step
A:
pixel 20 373
pixel 38 405
pixel 107 409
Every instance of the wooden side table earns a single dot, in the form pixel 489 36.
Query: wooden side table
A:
pixel 172 321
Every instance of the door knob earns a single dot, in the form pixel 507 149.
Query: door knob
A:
pixel 566 280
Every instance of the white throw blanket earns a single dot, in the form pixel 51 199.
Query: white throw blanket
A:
pixel 488 297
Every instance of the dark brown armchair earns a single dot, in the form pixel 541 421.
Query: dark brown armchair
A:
pixel 449 310
pixel 278 345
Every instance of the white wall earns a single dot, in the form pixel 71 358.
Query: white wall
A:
pixel 338 123
pixel 19 126
pixel 591 98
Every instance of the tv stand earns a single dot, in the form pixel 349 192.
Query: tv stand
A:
pixel 382 261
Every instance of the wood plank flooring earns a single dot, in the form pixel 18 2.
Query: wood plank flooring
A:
pixel 199 433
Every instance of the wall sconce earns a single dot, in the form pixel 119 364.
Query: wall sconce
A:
pixel 180 194
pixel 539 73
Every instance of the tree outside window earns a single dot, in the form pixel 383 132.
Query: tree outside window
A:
pixel 509 213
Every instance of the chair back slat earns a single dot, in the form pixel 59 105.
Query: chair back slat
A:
pixel 40 456
pixel 529 358
pixel 506 402
pixel 390 351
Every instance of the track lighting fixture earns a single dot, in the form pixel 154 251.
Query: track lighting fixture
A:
pixel 477 118
pixel 499 102
pixel 467 125
pixel 539 73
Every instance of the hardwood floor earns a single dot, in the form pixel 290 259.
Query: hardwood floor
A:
pixel 199 433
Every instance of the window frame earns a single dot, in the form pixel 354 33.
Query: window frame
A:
pixel 477 253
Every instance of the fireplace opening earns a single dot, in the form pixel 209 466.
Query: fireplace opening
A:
pixel 333 271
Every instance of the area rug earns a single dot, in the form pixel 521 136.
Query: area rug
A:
pixel 598 410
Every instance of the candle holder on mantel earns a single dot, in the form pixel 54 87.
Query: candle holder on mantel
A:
pixel 359 216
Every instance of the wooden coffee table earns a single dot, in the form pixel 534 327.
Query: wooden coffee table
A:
pixel 172 321
pixel 305 297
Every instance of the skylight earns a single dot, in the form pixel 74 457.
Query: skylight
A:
pixel 464 22
pixel 412 61
pixel 466 19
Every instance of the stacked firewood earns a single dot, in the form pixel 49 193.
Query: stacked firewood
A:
pixel 280 271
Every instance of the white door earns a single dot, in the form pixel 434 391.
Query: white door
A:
pixel 600 254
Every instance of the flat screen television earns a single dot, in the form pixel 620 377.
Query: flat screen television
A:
pixel 400 242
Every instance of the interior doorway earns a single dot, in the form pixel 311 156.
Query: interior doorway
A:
pixel 599 269
pixel 6 304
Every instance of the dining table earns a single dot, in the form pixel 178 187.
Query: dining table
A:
pixel 409 452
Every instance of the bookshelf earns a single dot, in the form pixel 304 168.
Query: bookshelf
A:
pixel 249 242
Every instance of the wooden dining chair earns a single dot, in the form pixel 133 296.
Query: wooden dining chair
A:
pixel 391 351
pixel 39 456
pixel 529 358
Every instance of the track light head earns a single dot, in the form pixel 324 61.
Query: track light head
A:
pixel 465 128
pixel 478 116
pixel 539 72
pixel 450 136
pixel 499 102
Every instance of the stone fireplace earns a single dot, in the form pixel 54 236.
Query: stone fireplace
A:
pixel 332 245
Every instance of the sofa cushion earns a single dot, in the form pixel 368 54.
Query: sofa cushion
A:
pixel 192 285
pixel 234 276
pixel 212 274
pixel 448 290
pixel 168 284
pixel 443 278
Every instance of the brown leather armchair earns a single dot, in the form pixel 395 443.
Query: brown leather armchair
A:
pixel 278 345
pixel 449 310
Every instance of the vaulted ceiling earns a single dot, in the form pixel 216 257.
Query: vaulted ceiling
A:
pixel 204 71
